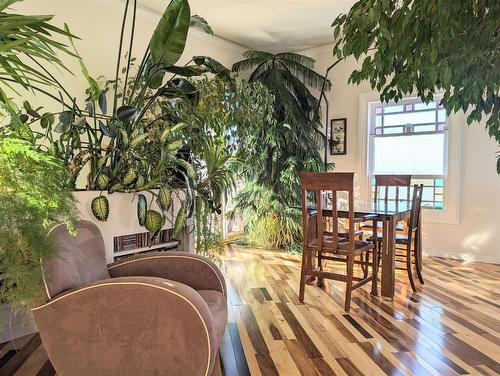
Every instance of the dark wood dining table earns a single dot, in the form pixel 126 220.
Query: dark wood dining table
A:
pixel 389 213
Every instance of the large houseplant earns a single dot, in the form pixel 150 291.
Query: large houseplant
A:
pixel 34 194
pixel 127 146
pixel 276 153
pixel 426 46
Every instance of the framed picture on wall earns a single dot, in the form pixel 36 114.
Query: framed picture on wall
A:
pixel 338 136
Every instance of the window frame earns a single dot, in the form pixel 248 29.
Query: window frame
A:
pixel 451 190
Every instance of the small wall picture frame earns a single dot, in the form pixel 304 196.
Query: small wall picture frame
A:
pixel 338 136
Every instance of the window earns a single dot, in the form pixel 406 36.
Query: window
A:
pixel 410 137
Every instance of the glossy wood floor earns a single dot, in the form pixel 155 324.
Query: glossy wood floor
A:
pixel 451 326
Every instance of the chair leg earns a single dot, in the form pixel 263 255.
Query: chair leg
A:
pixel 408 268
pixel 375 257
pixel 303 275
pixel 320 265
pixel 348 289
pixel 417 261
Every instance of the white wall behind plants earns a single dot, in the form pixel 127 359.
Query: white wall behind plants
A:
pixel 475 236
pixel 98 23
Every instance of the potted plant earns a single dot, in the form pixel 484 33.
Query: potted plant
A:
pixel 129 147
pixel 34 194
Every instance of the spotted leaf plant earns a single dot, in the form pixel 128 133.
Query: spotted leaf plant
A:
pixel 121 139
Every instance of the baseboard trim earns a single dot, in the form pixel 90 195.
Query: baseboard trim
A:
pixel 464 256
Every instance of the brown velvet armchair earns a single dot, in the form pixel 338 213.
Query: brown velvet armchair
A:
pixel 154 314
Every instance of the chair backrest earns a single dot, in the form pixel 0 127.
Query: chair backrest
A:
pixel 79 260
pixel 416 208
pixel 320 184
pixel 386 181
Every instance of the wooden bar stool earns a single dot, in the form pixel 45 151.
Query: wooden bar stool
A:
pixel 331 246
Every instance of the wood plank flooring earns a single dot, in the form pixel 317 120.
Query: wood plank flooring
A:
pixel 451 326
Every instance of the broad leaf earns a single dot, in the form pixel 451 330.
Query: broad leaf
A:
pixel 169 38
pixel 126 113
pixel 100 208
pixel 142 208
pixel 180 220
pixel 154 221
pixel 164 198
pixel 129 176
pixel 200 23
pixel 102 181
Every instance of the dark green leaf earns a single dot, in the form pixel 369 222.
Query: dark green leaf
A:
pixel 142 208
pixel 100 208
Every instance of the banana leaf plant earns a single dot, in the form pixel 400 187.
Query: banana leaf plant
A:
pixel 121 132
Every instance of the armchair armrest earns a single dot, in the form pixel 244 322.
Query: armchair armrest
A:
pixel 193 270
pixel 128 326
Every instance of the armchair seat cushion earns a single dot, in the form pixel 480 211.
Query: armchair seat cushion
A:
pixel 217 304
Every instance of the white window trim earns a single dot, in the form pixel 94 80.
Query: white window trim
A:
pixel 451 212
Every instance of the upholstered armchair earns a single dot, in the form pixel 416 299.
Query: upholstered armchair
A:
pixel 155 314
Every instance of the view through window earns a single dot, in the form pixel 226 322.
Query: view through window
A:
pixel 410 137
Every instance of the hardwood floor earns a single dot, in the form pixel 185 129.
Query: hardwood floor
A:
pixel 451 326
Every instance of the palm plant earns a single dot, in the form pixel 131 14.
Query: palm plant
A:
pixel 26 42
pixel 275 154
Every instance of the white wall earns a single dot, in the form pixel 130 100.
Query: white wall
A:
pixel 476 235
pixel 98 23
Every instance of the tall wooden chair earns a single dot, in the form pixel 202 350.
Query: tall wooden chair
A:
pixel 409 250
pixel 383 183
pixel 322 246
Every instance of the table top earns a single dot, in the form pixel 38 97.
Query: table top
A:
pixel 380 208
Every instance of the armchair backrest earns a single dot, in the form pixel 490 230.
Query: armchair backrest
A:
pixel 79 260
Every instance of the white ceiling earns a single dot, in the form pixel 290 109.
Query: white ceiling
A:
pixel 272 25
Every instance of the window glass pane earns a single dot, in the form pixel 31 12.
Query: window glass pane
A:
pixel 378 121
pixel 423 106
pixel 439 182
pixel 417 155
pixel 410 118
pixel 441 116
pixel 424 128
pixel 428 194
pixel 393 130
pixel 391 109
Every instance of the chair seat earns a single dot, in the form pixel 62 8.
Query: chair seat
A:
pixel 342 247
pixel 217 305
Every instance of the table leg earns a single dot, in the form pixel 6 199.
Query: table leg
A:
pixel 388 249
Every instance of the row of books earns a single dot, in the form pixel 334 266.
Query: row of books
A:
pixel 141 240
pixel 154 250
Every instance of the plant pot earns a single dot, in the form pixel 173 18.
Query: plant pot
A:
pixel 122 220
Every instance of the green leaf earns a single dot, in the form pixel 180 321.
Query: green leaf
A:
pixel 164 198
pixel 5 3
pixel 180 220
pixel 169 38
pixel 126 113
pixel 129 176
pixel 103 104
pixel 140 182
pixel 174 146
pixel 66 117
pixel 142 208
pixel 154 221
pixel 138 139
pixel 168 131
pixel 200 23
pixel 100 208
pixel 102 181
pixel 190 171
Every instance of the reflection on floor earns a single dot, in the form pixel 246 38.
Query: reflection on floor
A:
pixel 451 326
